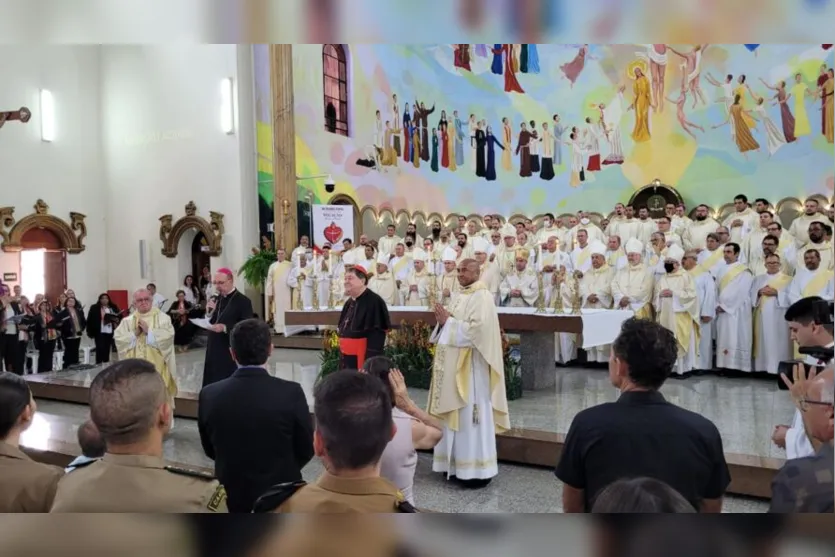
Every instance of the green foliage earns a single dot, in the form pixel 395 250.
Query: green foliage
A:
pixel 254 270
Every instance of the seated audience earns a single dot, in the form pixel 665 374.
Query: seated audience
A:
pixel 256 427
pixel 641 495
pixel 26 486
pixel 415 428
pixel 805 485
pixel 91 443
pixel 129 406
pixel 101 322
pixel 180 311
pixel 353 427
pixel 642 435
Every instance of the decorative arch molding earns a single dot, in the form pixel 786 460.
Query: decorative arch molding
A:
pixel 343 199
pixel 70 234
pixel 170 232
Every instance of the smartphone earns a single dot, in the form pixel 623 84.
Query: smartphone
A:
pixel 787 367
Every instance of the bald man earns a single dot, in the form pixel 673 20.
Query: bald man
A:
pixel 148 334
pixel 224 310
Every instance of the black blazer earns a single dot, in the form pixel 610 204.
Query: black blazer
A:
pixel 258 430
pixel 94 319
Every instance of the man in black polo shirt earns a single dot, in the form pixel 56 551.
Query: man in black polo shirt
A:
pixel 642 435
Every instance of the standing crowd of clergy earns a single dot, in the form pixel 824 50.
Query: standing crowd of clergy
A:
pixel 721 287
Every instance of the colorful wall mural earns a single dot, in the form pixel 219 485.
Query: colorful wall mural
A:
pixel 535 128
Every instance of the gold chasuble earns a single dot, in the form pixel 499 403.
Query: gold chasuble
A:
pixel 475 314
pixel 685 322
pixel 156 347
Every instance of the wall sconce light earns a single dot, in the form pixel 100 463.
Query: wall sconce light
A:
pixel 227 109
pixel 47 116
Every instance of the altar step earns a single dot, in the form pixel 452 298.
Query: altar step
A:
pixel 301 341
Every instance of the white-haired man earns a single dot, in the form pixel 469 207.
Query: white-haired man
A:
pixel 633 284
pixel 677 307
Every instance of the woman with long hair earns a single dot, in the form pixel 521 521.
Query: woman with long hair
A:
pixel 73 325
pixel 102 320
pixel 183 328
pixel 46 335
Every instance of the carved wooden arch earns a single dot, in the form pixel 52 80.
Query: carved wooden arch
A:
pixel 171 232
pixel 70 235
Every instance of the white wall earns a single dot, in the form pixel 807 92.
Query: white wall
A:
pixel 67 173
pixel 163 147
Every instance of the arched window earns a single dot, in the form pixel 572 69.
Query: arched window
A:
pixel 335 76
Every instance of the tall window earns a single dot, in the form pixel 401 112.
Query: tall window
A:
pixel 335 75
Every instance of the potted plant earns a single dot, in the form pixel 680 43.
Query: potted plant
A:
pixel 255 268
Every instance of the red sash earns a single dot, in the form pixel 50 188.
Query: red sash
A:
pixel 354 347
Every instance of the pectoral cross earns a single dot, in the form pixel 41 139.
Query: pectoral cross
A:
pixel 23 114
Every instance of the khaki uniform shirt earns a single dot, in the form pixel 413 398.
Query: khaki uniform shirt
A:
pixel 332 494
pixel 26 486
pixel 140 484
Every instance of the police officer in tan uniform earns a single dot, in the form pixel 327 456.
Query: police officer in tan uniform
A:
pixel 353 427
pixel 129 406
pixel 25 485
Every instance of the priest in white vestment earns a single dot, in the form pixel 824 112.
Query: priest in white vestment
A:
pixel 817 241
pixel 415 289
pixel 734 325
pixel 551 259
pixel 632 285
pixel 665 227
pixel 695 236
pixel 148 334
pixel 800 226
pixel 447 281
pixel 615 255
pixel 656 253
pixel 488 270
pixel 677 308
pixel 742 221
pixel 549 228
pixel 520 288
pixel 467 391
pixel 813 279
pixel 302 249
pixel 769 295
pixel 383 282
pixel 322 265
pixel 752 246
pixel 300 279
pixel 277 293
pixel 712 258
pixel 580 255
pixel 401 266
pixel 387 243
pixel 706 292
pixel 506 252
pixel 646 226
pixel 596 290
pixel 584 223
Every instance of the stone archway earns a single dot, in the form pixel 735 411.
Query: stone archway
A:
pixel 343 199
pixel 70 235
pixel 170 231
pixel 654 196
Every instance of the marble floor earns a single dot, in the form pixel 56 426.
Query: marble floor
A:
pixel 744 409
pixel 517 489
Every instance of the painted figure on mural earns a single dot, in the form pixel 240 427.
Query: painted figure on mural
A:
pixel 679 103
pixel 577 172
pixel 692 68
pixel 591 140
pixel 511 84
pixel 407 128
pixel 523 150
pixel 559 130
pixel 390 155
pixel 496 66
pixel 442 120
pixel 547 152
pixel 378 130
pixel 774 137
pixel 656 56
pixel 415 144
pixel 828 115
pixel 739 91
pixel 610 118
pixel 434 164
pixel 640 104
pixel 422 117
pixel 481 50
pixel 462 56
pixel 727 96
pixel 801 120
pixel 450 148
pixel 822 77
pixel 534 148
pixel 458 138
pixel 533 59
pixel 473 125
pixel 395 118
pixel 445 145
pixel 523 58
pixel 744 140
pixel 507 136
pixel 573 69
pixel 481 150
pixel 491 142
pixel 786 117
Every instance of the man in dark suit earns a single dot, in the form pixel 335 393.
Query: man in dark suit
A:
pixel 257 428
pixel 225 310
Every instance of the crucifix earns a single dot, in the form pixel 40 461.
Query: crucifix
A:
pixel 23 114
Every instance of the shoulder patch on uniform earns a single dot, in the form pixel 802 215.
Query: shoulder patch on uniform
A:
pixel 276 495
pixel 218 498
pixel 190 473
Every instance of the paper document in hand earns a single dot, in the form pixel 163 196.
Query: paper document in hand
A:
pixel 202 322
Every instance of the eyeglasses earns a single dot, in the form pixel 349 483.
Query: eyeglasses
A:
pixel 804 403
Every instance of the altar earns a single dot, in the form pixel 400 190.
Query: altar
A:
pixel 594 327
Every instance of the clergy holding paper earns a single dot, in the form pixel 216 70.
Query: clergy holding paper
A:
pixel 148 334
pixel 467 391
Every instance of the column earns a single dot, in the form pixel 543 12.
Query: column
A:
pixel 284 146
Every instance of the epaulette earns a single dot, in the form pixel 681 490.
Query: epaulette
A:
pixel 406 507
pixel 190 473
pixel 276 496
pixel 83 464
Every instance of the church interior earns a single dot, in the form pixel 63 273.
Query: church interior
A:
pixel 123 166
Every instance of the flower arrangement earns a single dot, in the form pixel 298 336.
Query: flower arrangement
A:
pixel 410 349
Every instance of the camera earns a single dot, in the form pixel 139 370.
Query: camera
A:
pixel 823 315
pixel 330 185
